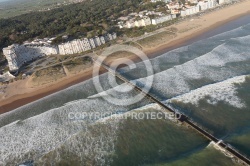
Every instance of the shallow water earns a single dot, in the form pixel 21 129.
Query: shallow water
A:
pixel 202 157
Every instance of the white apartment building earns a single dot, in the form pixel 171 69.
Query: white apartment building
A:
pixel 143 22
pixel 221 1
pixel 204 5
pixel 97 41
pixel 74 47
pixel 130 24
pixel 160 20
pixel 18 55
pixel 190 11
pixel 102 39
pixel 92 43
pixel 6 77
pixel 108 37
pixel 85 44
pixel 114 36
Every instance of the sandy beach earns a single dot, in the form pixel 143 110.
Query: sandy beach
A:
pixel 19 93
pixel 197 26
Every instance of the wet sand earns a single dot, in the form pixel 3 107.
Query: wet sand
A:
pixel 210 25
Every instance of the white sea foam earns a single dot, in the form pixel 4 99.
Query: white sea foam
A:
pixel 223 91
pixel 214 66
pixel 123 88
pixel 150 106
pixel 175 81
pixel 187 53
pixel 47 131
pixel 42 133
pixel 95 144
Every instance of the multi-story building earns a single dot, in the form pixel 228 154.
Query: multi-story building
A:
pixel 12 58
pixel 6 77
pixel 159 20
pixel 190 11
pixel 144 21
pixel 69 49
pixel 204 5
pixel 61 49
pixel 102 39
pixel 211 3
pixel 97 41
pixel 74 47
pixel 92 43
pixel 114 36
pixel 18 55
pixel 130 24
pixel 138 23
pixel 85 44
pixel 108 37
pixel 221 1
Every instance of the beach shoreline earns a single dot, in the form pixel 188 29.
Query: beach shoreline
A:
pixel 208 22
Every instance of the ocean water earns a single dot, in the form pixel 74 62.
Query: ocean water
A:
pixel 207 80
pixel 202 157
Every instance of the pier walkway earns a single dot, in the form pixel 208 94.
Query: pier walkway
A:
pixel 183 118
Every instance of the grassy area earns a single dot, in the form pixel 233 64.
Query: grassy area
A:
pixel 156 40
pixel 60 58
pixel 133 44
pixel 53 73
pixel 135 32
pixel 78 64
pixel 48 71
pixel 47 75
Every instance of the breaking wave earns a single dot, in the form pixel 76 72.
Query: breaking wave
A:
pixel 222 91
pixel 208 68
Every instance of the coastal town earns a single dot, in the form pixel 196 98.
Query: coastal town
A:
pixel 173 10
pixel 125 82
pixel 18 55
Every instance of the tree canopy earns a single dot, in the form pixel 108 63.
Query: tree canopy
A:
pixel 92 17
